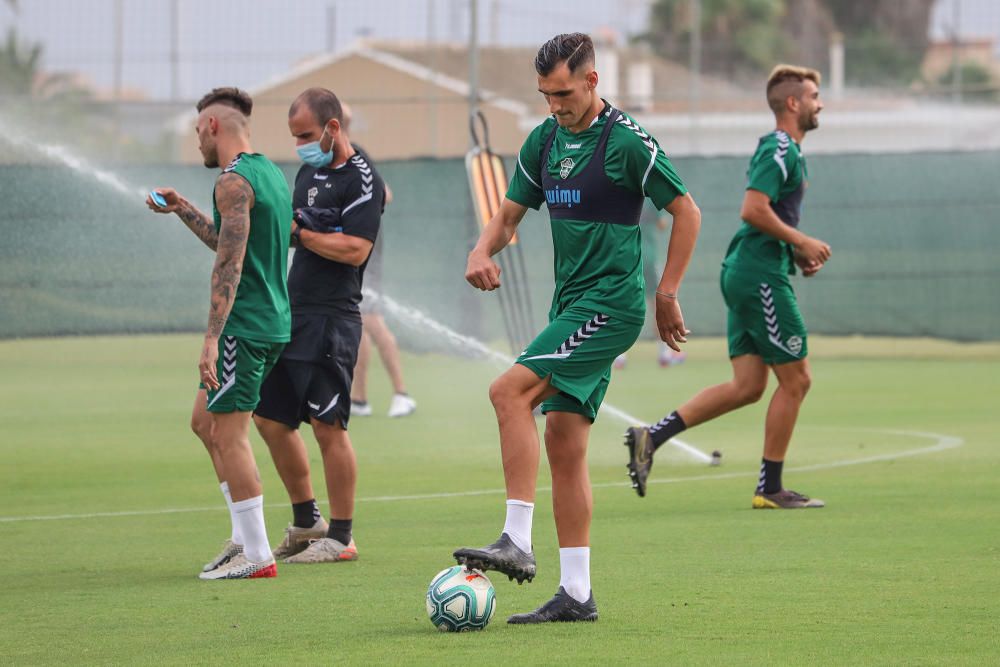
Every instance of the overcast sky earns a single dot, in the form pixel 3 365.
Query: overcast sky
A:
pixel 247 42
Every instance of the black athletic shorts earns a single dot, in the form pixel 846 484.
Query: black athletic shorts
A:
pixel 312 379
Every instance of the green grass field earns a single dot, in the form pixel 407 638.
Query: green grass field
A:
pixel 108 508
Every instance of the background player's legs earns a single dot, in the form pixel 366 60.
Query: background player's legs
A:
pixel 783 411
pixel 359 388
pixel 388 350
pixel 376 331
pixel 230 434
pixel 747 386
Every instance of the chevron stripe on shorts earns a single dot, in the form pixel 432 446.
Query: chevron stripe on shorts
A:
pixel 771 319
pixel 582 334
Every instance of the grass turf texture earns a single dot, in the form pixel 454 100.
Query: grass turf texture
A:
pixel 900 568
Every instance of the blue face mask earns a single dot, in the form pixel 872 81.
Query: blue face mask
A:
pixel 313 155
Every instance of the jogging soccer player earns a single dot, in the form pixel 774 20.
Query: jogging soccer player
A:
pixel 593 165
pixel 765 328
pixel 249 318
pixel 338 201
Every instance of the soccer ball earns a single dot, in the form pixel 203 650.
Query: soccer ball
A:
pixel 459 599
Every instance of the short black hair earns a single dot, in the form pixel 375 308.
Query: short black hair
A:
pixel 574 48
pixel 231 97
pixel 322 102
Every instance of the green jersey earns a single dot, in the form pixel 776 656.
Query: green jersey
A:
pixel 598 254
pixel 778 169
pixel 261 311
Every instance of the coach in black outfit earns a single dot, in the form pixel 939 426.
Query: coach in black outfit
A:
pixel 338 202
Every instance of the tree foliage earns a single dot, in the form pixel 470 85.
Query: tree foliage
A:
pixel 885 40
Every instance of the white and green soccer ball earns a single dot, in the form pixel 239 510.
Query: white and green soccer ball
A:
pixel 459 599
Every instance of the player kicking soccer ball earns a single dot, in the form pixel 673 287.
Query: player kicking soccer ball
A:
pixel 765 329
pixel 593 166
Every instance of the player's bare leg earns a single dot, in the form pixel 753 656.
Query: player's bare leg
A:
pixel 291 460
pixel 201 424
pixel 341 472
pixel 388 349
pixel 566 437
pixel 794 381
pixel 359 386
pixel 340 466
pixel 747 386
pixel 514 395
pixel 290 457
pixel 231 437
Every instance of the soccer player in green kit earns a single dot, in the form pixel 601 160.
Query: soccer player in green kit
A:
pixel 593 166
pixel 765 328
pixel 249 317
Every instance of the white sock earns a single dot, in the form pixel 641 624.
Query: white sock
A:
pixel 574 572
pixel 518 523
pixel 236 538
pixel 249 515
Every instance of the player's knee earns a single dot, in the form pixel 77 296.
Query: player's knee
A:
pixel 262 425
pixel 202 428
pixel 499 395
pixel 798 384
pixel 804 383
pixel 750 392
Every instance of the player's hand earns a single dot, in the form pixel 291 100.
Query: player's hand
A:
pixel 208 362
pixel 670 322
pixel 482 272
pixel 813 251
pixel 169 194
pixel 810 271
pixel 809 268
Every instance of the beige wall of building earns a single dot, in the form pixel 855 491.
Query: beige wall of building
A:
pixel 398 114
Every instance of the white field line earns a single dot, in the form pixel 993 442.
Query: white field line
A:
pixel 944 442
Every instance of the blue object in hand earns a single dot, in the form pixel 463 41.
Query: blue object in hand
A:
pixel 157 199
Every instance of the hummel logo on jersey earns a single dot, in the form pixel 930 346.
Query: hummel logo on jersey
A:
pixel 232 165
pixel 571 147
pixel 560 196
pixel 565 167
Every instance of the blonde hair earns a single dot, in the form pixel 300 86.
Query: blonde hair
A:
pixel 786 81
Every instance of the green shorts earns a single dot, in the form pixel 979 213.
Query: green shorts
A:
pixel 243 364
pixel 764 317
pixel 575 351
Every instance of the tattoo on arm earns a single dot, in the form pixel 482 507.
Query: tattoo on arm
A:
pixel 199 223
pixel 234 198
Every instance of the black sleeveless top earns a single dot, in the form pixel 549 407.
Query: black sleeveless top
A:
pixel 590 196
